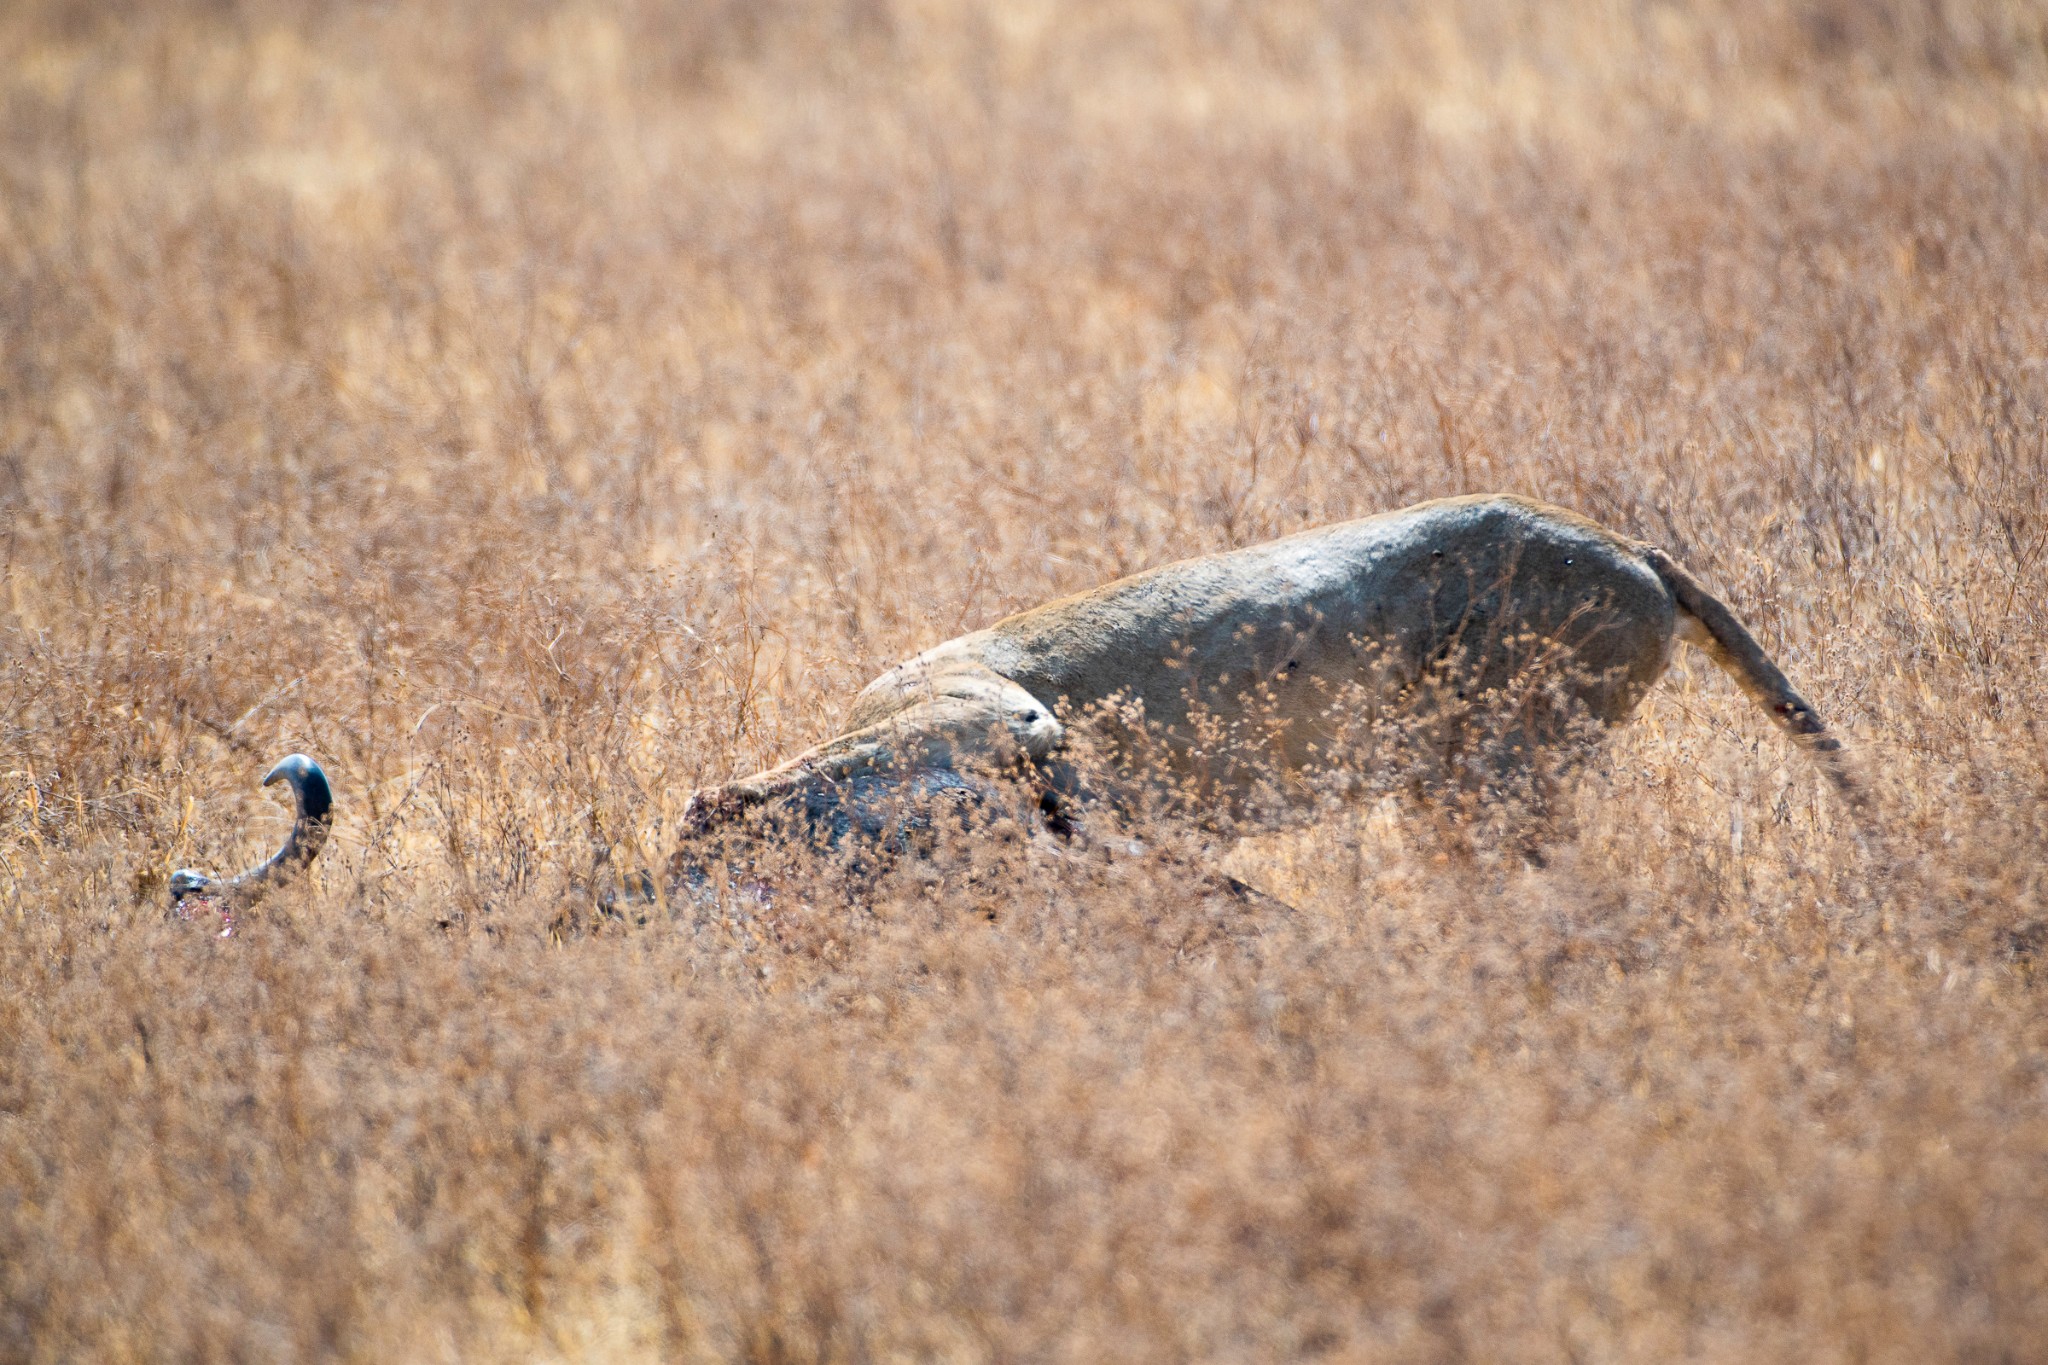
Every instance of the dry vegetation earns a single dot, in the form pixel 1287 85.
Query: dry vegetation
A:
pixel 535 410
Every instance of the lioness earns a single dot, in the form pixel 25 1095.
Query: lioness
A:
pixel 1309 639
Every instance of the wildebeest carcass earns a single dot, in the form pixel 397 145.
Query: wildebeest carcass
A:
pixel 194 892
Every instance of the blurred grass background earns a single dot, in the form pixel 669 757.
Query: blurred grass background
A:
pixel 535 410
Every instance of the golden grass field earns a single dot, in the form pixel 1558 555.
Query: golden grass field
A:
pixel 536 410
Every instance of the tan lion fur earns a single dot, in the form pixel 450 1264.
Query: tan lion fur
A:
pixel 1260 665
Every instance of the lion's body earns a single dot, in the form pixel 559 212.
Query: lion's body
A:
pixel 1265 665
pixel 1313 635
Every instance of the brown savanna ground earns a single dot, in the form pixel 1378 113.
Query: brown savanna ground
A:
pixel 535 410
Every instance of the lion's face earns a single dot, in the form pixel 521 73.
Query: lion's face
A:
pixel 949 756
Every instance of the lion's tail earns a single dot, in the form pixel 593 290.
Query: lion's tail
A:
pixel 1706 621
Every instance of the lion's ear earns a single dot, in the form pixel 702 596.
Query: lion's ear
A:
pixel 1038 731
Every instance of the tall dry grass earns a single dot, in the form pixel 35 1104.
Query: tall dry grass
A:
pixel 534 410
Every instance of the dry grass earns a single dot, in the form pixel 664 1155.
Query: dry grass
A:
pixel 534 410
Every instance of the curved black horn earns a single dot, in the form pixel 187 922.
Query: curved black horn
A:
pixel 315 816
